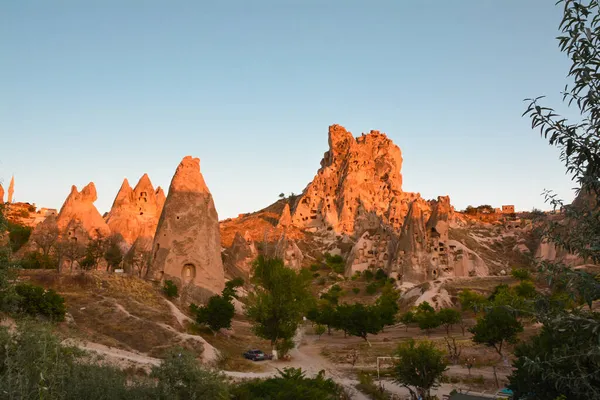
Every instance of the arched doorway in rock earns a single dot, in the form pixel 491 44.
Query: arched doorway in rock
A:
pixel 188 273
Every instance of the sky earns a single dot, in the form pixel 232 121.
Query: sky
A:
pixel 103 90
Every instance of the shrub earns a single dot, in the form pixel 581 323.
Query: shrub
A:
pixel 290 384
pixel 316 275
pixel 355 290
pixel 336 263
pixel 521 274
pixel 380 274
pixel 315 267
pixel 170 289
pixel 321 281
pixel 217 313
pixel 18 235
pixel 35 300
pixel 371 288
pixel 368 274
pixel 35 260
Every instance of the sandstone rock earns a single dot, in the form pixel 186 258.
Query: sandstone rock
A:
pixel 290 253
pixel 138 256
pixel 11 189
pixel 79 207
pixel 1 195
pixel 286 217
pixel 356 175
pixel 187 245
pixel 135 212
pixel 237 259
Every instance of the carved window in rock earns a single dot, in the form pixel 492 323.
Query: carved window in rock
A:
pixel 188 273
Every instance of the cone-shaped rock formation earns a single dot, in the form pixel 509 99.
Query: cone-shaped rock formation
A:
pixel 79 207
pixel 187 244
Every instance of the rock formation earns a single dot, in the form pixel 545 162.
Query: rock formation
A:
pixel 1 195
pixel 11 189
pixel 79 207
pixel 356 175
pixel 135 212
pixel 238 258
pixel 286 217
pixel 187 245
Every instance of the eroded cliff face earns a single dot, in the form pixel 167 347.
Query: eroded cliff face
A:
pixel 135 212
pixel 79 209
pixel 357 176
pixel 187 243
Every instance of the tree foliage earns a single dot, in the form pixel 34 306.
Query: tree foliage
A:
pixel 291 383
pixel 496 327
pixel 419 368
pixel 279 301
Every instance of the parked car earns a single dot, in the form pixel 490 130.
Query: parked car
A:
pixel 257 355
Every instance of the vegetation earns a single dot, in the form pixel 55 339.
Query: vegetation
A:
pixel 35 300
pixel 290 384
pixel 279 301
pixel 18 235
pixel 170 289
pixel 449 317
pixel 419 368
pixel 335 263
pixel 219 311
pixel 497 327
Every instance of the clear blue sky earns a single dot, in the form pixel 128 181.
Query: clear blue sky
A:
pixel 102 90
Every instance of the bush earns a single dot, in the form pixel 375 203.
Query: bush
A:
pixel 170 289
pixel 521 274
pixel 321 281
pixel 336 263
pixel 372 288
pixel 355 290
pixel 35 300
pixel 368 275
pixel 380 275
pixel 35 260
pixel 316 275
pixel 315 267
pixel 290 384
pixel 18 235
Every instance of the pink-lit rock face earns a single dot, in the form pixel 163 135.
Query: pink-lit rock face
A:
pixel 357 176
pixel 1 195
pixel 11 189
pixel 187 243
pixel 79 208
pixel 135 212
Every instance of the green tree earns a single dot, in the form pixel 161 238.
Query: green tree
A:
pixel 179 376
pixel 449 317
pixel 216 314
pixel 387 304
pixel 362 320
pixel 113 254
pixel 280 299
pixel 497 327
pixel 426 317
pixel 471 301
pixel 557 348
pixel 18 235
pixel 230 288
pixel 320 330
pixel 407 318
pixel 170 289
pixel 525 289
pixel 419 368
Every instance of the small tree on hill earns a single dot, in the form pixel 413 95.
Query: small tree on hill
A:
pixel 419 368
pixel 219 311
pixel 449 317
pixel 387 305
pixel 497 327
pixel 408 318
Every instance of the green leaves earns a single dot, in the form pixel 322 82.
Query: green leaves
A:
pixel 498 326
pixel 419 366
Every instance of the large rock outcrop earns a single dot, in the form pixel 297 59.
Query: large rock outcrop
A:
pixel 356 175
pixel 238 258
pixel 11 189
pixel 1 195
pixel 135 212
pixel 187 244
pixel 79 207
